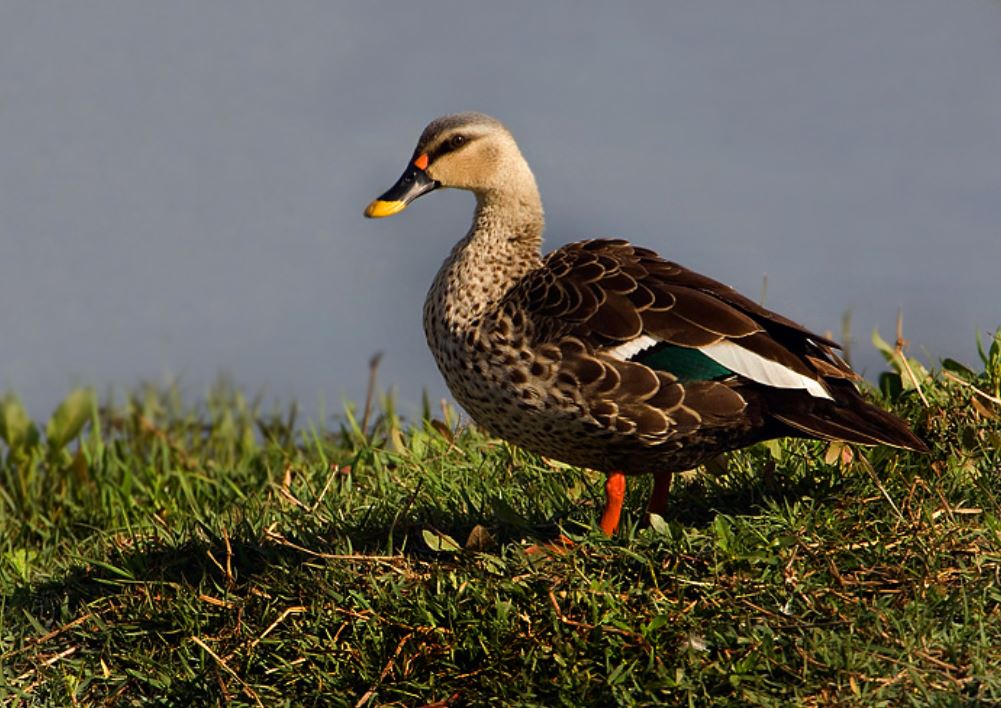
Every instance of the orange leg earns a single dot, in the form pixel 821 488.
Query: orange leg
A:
pixel 661 489
pixel 615 493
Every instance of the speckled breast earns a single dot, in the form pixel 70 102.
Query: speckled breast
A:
pixel 508 390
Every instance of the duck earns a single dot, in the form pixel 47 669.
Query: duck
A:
pixel 601 354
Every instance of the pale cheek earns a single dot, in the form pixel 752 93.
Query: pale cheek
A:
pixel 487 163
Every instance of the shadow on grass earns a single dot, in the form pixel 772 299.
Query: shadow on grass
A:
pixel 197 563
pixel 215 563
pixel 697 504
pixel 186 564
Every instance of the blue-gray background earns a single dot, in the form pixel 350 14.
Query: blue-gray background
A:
pixel 181 184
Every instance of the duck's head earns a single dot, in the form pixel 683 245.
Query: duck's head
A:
pixel 466 151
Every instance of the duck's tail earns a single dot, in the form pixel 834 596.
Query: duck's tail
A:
pixel 848 417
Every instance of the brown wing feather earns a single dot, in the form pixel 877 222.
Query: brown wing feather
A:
pixel 688 278
pixel 598 294
pixel 608 291
pixel 710 313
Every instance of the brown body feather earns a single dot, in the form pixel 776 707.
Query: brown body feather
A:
pixel 591 296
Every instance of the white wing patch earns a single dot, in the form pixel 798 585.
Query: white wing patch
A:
pixel 738 360
pixel 757 368
pixel 631 348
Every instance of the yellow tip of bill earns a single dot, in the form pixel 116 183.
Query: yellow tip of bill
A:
pixel 380 208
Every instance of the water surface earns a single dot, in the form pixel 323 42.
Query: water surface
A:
pixel 181 184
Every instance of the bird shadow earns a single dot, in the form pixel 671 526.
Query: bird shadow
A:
pixel 246 555
pixel 244 558
pixel 698 502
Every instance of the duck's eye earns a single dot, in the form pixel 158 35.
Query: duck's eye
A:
pixel 456 141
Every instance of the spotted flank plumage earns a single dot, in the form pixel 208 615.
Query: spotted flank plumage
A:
pixel 603 354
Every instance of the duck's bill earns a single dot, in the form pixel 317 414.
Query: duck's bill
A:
pixel 413 183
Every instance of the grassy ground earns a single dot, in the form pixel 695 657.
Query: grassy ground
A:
pixel 154 552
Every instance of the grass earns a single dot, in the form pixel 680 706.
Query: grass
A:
pixel 156 552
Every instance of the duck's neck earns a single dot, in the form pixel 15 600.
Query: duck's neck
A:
pixel 503 244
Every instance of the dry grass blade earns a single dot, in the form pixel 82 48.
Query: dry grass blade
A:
pixel 297 609
pixel 373 369
pixel 898 351
pixel 986 396
pixel 31 643
pixel 49 662
pixel 247 690
pixel 367 696
pixel 356 557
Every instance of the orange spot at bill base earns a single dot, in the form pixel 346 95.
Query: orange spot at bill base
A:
pixel 421 162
